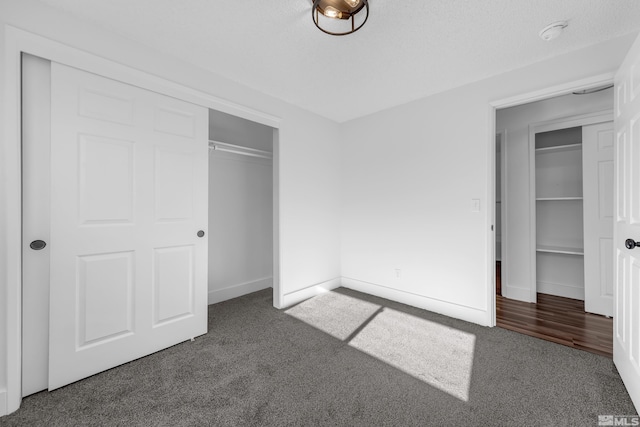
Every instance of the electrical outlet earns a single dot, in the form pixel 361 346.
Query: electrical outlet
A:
pixel 475 205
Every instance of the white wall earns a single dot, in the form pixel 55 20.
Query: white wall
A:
pixel 308 153
pixel 515 120
pixel 240 210
pixel 410 173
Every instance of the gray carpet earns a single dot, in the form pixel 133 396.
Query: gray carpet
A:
pixel 375 363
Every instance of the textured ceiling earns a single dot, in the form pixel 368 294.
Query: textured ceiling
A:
pixel 407 49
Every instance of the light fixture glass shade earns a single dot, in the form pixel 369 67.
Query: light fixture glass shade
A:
pixel 340 17
pixel 332 12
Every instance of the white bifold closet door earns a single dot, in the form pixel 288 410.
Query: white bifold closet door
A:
pixel 128 199
pixel 598 181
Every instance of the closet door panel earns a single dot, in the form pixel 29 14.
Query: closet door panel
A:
pixel 106 180
pixel 105 297
pixel 129 193
pixel 598 217
pixel 173 191
pixel 36 134
pixel 173 284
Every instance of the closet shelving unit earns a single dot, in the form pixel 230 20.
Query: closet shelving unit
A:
pixel 559 214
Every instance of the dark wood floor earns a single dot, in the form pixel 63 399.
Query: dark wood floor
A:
pixel 557 319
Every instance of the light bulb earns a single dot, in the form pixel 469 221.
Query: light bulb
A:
pixel 332 12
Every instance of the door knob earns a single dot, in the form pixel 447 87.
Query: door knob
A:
pixel 200 233
pixel 630 243
pixel 37 245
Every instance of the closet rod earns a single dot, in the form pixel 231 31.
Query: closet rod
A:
pixel 238 149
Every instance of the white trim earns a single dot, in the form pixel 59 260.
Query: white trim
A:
pixel 277 254
pixel 303 294
pixel 24 41
pixel 235 291
pixel 457 311
pixel 553 91
pixel 17 41
pixel 572 121
pixel 492 231
pixel 533 262
pixel 13 230
pixel 3 402
pixel 493 234
pixel 504 217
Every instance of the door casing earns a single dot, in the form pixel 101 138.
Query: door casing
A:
pixel 525 98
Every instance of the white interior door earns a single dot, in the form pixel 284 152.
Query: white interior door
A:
pixel 626 315
pixel 597 160
pixel 128 198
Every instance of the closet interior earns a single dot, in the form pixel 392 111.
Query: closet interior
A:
pixel 240 206
pixel 559 213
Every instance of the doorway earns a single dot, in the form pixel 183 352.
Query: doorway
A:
pixel 240 206
pixel 542 291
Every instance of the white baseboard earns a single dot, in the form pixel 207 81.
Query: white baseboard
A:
pixel 469 314
pixel 519 294
pixel 235 291
pixel 3 402
pixel 561 290
pixel 297 296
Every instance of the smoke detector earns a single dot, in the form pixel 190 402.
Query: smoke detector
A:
pixel 553 30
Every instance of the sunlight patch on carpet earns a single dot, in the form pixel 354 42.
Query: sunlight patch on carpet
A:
pixel 436 354
pixel 334 313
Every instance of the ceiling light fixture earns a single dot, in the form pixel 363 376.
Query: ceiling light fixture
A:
pixel 553 31
pixel 340 17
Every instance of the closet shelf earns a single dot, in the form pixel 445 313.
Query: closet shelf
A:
pixel 546 199
pixel 557 148
pixel 560 250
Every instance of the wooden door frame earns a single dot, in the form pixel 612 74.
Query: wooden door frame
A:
pixel 524 98
pixel 16 42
